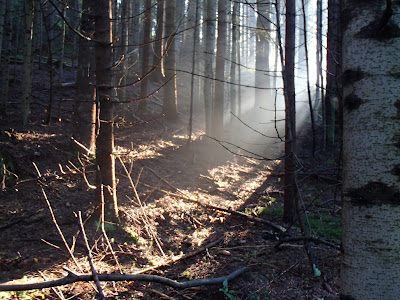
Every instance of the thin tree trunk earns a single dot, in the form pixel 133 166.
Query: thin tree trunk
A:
pixel 170 108
pixel 51 71
pixel 310 105
pixel 290 114
pixel 84 118
pixel 234 57
pixel 27 64
pixel 262 79
pixel 320 93
pixel 2 18
pixel 7 49
pixel 146 54
pixel 124 48
pixel 195 36
pixel 158 44
pixel 62 50
pixel 105 140
pixel 331 74
pixel 219 92
pixel 208 65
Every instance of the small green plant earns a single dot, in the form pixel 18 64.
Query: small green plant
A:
pixel 325 226
pixel 228 294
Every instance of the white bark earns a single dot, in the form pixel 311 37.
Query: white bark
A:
pixel 371 129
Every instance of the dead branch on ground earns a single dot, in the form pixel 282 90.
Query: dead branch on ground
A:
pixel 72 277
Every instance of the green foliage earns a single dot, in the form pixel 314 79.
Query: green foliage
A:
pixel 228 294
pixel 325 226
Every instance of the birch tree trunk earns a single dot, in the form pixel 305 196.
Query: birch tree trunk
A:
pixel 371 162
pixel 105 140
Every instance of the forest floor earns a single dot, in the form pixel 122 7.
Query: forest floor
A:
pixel 166 232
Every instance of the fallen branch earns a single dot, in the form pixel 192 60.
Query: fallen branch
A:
pixel 311 239
pixel 72 277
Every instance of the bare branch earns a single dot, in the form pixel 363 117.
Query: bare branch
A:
pixel 72 277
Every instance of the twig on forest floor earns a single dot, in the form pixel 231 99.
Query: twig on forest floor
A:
pixel 310 239
pixel 184 196
pixel 53 218
pixel 161 294
pixel 89 257
pixel 179 258
pixel 146 221
pixel 56 290
pixel 72 277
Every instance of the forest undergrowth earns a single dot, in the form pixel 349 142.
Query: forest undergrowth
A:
pixel 184 227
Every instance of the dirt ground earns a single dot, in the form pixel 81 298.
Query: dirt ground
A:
pixel 162 230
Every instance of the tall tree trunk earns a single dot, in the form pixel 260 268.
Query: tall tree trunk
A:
pixel 158 44
pixel 84 118
pixel 319 92
pixel 310 104
pixel 124 48
pixel 2 18
pixel 290 114
pixel 332 93
pixel 105 140
pixel 234 57
pixel 219 92
pixel 195 40
pixel 5 72
pixel 262 79
pixel 50 104
pixel 371 188
pixel 62 50
pixel 27 64
pixel 170 108
pixel 146 54
pixel 208 64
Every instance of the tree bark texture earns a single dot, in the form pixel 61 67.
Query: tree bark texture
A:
pixel 371 140
pixel 105 140
pixel 27 64
pixel 290 114
pixel 170 108
pixel 85 106
pixel 219 92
